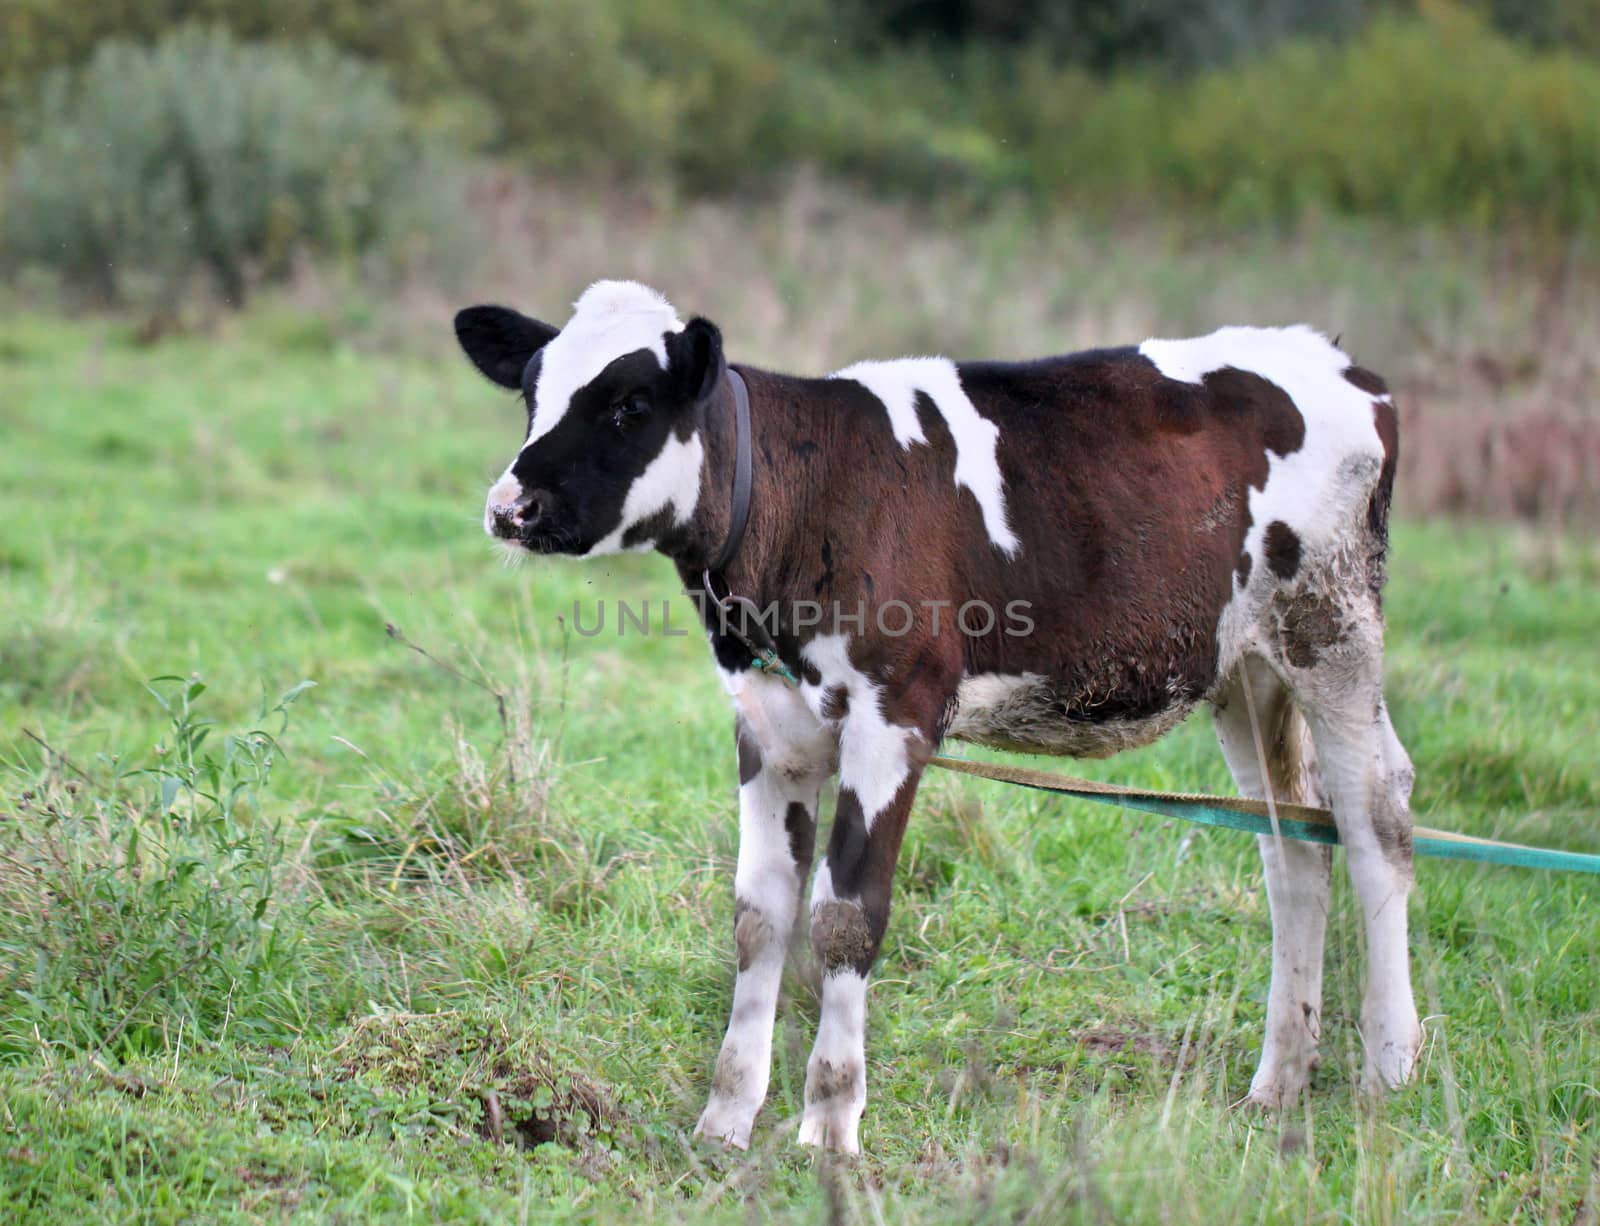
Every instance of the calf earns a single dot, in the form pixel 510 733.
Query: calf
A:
pixel 1062 556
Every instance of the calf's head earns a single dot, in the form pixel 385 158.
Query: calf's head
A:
pixel 616 402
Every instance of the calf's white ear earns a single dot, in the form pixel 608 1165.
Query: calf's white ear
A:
pixel 694 356
pixel 500 341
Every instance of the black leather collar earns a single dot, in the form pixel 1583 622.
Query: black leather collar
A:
pixel 756 639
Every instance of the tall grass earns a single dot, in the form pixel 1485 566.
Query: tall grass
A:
pixel 503 944
pixel 1490 342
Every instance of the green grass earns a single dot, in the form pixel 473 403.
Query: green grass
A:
pixel 492 958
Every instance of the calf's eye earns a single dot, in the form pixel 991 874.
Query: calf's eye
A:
pixel 630 406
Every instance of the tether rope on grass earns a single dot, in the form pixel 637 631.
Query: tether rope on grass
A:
pixel 1313 825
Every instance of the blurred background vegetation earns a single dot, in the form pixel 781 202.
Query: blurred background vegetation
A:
pixel 1256 110
pixel 1430 167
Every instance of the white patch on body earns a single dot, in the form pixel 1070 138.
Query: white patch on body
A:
pixel 793 741
pixel 896 383
pixel 873 761
pixel 836 1074
pixel 610 319
pixel 1311 490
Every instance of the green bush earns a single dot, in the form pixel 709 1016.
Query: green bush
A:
pixel 201 154
pixel 1416 121
pixel 137 901
pixel 1427 111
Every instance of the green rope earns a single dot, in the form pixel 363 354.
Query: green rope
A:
pixel 1311 825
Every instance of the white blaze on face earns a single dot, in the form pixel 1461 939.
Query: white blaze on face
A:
pixel 896 383
pixel 610 320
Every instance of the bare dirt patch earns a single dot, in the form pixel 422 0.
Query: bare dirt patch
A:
pixel 511 1088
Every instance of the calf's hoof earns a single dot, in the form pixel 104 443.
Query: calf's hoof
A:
pixel 726 1123
pixel 1277 1089
pixel 832 1125
pixel 836 1095
pixel 1284 1073
pixel 1391 1055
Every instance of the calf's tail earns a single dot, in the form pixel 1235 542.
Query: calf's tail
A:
pixel 1292 762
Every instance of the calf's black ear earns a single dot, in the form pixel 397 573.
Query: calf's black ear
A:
pixel 500 341
pixel 695 358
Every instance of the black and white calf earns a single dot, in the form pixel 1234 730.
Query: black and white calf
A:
pixel 1178 521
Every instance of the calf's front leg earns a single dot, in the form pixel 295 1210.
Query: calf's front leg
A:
pixel 777 828
pixel 849 913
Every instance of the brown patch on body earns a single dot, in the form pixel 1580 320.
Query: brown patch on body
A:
pixel 1122 577
pixel 1308 623
pixel 841 936
pixel 835 702
pixel 1283 429
pixel 749 754
pixel 1368 381
pixel 1241 570
pixel 1281 548
pixel 752 932
pixel 801 826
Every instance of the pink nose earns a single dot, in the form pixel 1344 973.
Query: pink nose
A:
pixel 510 518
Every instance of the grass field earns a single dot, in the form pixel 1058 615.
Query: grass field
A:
pixel 445 964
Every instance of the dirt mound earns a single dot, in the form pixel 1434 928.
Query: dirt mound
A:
pixel 512 1088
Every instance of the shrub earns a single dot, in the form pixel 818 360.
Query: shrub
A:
pixel 1426 111
pixel 201 154
pixel 136 902
pixel 1440 119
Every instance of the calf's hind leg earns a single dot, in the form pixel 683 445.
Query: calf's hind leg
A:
pixel 1336 676
pixel 1368 778
pixel 1297 875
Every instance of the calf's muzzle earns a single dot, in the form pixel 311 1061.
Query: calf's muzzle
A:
pixel 511 520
